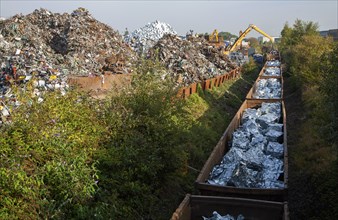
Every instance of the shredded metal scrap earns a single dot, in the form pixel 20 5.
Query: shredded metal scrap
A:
pixel 43 48
pixel 216 216
pixel 267 89
pixel 255 159
pixel 190 61
pixel 73 43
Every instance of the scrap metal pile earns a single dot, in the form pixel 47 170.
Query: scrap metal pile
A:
pixel 73 43
pixel 146 37
pixel 190 61
pixel 267 89
pixel 216 216
pixel 43 48
pixel 272 71
pixel 255 159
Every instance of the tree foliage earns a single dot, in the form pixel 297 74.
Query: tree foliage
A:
pixel 227 35
pixel 293 35
pixel 255 44
pixel 311 62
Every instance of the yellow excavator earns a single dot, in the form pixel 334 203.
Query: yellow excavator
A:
pixel 215 40
pixel 213 37
pixel 242 35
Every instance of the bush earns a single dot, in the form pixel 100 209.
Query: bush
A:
pixel 46 164
pixel 144 150
pixel 130 156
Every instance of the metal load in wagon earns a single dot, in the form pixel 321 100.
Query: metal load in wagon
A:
pixel 196 207
pixel 273 63
pixel 217 216
pixel 272 71
pixel 267 89
pixel 255 159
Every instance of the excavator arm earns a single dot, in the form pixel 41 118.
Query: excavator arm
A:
pixel 262 32
pixel 242 35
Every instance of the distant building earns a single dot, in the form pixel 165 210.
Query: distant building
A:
pixel 330 33
pixel 263 39
pixel 323 33
pixel 334 34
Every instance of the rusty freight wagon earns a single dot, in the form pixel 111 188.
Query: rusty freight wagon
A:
pixel 222 147
pixel 196 207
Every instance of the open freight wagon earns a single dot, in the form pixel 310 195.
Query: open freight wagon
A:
pixel 222 147
pixel 196 207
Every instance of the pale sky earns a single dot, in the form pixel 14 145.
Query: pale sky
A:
pixel 200 16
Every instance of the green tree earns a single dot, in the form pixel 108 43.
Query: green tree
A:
pixel 292 36
pixel 312 64
pixel 307 58
pixel 227 35
pixel 254 43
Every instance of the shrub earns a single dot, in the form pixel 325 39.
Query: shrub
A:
pixel 46 164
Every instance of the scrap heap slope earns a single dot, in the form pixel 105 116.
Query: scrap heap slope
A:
pixel 190 61
pixel 73 43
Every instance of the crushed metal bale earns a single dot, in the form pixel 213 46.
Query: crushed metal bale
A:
pixel 267 89
pixel 255 159
pixel 217 216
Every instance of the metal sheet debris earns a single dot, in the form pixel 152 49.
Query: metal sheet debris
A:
pixel 267 89
pixel 272 71
pixel 255 159
pixel 273 63
pixel 146 37
pixel 216 216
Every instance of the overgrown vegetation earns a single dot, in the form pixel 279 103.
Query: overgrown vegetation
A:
pixel 131 156
pixel 312 69
pixel 46 163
